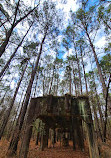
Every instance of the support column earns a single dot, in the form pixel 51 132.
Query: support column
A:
pixel 38 134
pixel 73 135
pixel 79 132
pixel 44 137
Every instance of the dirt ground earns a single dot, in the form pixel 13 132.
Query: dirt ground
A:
pixel 56 152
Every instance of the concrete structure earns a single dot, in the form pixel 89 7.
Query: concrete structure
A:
pixel 64 112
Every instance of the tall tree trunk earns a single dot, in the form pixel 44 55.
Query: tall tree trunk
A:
pixel 70 83
pixel 15 118
pixel 106 109
pixel 2 113
pixel 43 86
pixel 84 72
pixel 2 100
pixel 99 70
pixel 99 109
pixel 6 117
pixel 3 46
pixel 92 140
pixel 36 83
pixel 75 83
pixel 78 66
pixel 8 34
pixel 79 72
pixel 97 63
pixel 50 88
pixel 57 85
pixel 96 118
pixel 27 131
pixel 44 82
pixel 15 138
pixel 12 124
pixel 8 62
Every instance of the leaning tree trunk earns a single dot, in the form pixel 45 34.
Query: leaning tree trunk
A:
pixel 2 100
pixel 12 126
pixel 28 132
pixel 98 105
pixel 8 34
pixel 106 109
pixel 3 46
pixel 97 63
pixel 34 94
pixel 99 70
pixel 8 62
pixel 2 113
pixel 7 114
pixel 15 138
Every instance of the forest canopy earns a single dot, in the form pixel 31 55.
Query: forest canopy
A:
pixel 54 47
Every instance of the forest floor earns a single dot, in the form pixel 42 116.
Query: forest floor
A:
pixel 56 152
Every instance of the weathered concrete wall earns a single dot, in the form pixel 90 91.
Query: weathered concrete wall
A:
pixel 59 106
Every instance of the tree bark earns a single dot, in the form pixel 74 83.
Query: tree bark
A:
pixel 106 108
pixel 6 117
pixel 50 88
pixel 99 71
pixel 2 100
pixel 36 84
pixel 79 72
pixel 96 118
pixel 100 112
pixel 70 83
pixel 8 62
pixel 78 66
pixel 93 148
pixel 84 72
pixel 15 138
pixel 28 131
pixel 3 46
pixel 75 83
pixel 97 63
